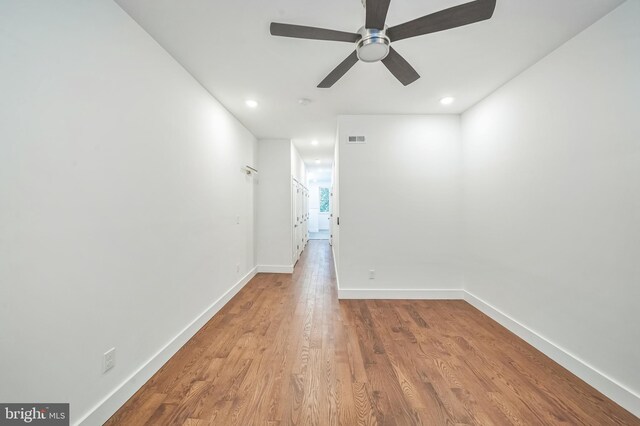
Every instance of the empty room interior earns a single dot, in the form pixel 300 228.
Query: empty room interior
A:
pixel 347 212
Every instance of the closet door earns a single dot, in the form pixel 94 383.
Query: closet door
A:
pixel 306 224
pixel 294 220
pixel 300 223
pixel 305 213
pixel 304 217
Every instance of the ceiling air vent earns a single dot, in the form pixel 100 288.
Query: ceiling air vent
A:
pixel 357 139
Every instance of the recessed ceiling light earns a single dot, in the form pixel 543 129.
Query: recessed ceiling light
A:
pixel 447 100
pixel 251 103
pixel 317 161
pixel 314 142
pixel 304 101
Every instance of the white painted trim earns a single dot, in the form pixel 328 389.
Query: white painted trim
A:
pixel 622 395
pixel 614 390
pixel 335 269
pixel 400 294
pixel 112 402
pixel 275 269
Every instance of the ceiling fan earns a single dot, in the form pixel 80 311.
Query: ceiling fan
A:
pixel 373 40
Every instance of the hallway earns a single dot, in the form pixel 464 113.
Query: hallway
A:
pixel 285 351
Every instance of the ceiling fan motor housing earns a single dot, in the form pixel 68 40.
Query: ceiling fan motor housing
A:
pixel 373 40
pixel 373 46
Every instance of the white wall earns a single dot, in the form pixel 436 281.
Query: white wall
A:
pixel 274 232
pixel 278 162
pixel 399 205
pixel 552 190
pixel 120 184
pixel 120 189
pixel 298 168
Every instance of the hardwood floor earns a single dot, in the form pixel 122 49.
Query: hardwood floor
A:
pixel 286 351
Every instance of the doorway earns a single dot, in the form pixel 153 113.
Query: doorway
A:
pixel 319 207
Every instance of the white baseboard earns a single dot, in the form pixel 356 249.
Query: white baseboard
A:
pixel 623 396
pixel 275 269
pixel 109 405
pixel 617 392
pixel 400 294
pixel 614 390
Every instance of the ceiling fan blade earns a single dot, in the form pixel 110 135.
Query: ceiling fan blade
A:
pixel 339 71
pixel 376 11
pixel 400 68
pixel 313 33
pixel 457 16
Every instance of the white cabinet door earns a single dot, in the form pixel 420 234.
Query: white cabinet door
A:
pixel 299 214
pixel 294 220
pixel 299 217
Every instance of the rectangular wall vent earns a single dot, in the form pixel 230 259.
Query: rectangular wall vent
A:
pixel 357 139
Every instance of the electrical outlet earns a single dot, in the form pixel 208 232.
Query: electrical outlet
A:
pixel 237 267
pixel 237 220
pixel 372 274
pixel 109 360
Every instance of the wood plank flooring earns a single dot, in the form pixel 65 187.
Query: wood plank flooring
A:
pixel 285 351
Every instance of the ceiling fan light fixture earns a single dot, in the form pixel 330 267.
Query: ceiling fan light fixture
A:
pixel 374 38
pixel 373 46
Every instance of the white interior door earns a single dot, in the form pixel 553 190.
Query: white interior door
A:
pixel 331 215
pixel 305 216
pixel 294 220
pixel 305 212
pixel 299 215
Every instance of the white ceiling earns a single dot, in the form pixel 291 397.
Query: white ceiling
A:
pixel 226 46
